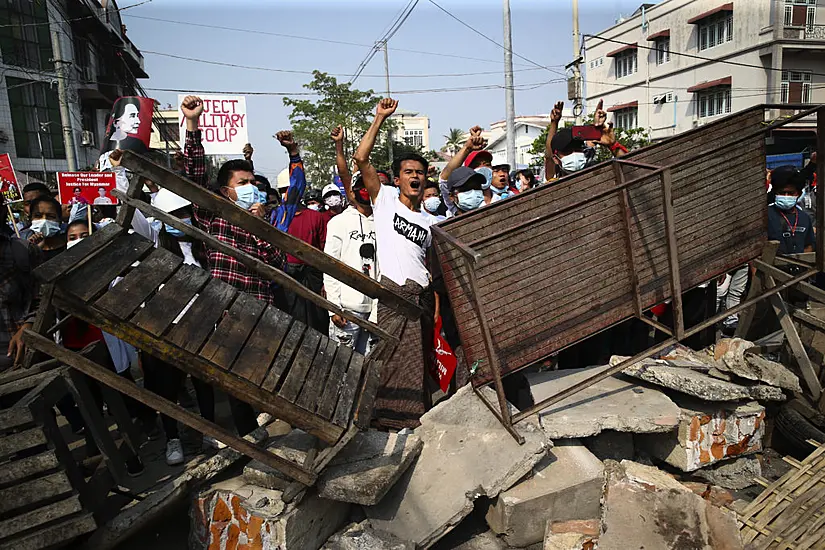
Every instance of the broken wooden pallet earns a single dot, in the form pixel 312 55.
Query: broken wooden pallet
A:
pixel 789 512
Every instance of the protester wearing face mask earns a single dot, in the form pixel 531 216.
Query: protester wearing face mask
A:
pixel 312 200
pixel 525 180
pixel 787 222
pixel 465 189
pixel 500 185
pixel 473 156
pixel 47 233
pixel 333 201
pixel 433 204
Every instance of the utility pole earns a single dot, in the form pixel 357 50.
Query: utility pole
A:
pixel 65 116
pixel 509 97
pixel 577 75
pixel 387 76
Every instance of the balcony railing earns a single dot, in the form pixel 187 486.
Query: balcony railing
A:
pixel 810 32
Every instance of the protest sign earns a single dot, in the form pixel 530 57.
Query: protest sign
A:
pixel 8 180
pixel 86 187
pixel 223 124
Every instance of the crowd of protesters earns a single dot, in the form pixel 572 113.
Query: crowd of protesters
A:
pixel 377 223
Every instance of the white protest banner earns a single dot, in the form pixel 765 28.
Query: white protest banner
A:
pixel 223 124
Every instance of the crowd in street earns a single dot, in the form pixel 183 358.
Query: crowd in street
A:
pixel 378 223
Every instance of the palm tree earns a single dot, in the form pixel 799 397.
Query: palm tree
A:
pixel 454 138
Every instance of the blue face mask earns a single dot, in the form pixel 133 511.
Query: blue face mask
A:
pixel 470 200
pixel 502 192
pixel 174 231
pixel 432 204
pixel 786 202
pixel 247 196
pixel 487 172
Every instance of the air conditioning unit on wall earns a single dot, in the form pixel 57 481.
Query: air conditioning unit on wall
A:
pixel 87 138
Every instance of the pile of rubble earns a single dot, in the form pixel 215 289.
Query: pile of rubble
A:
pixel 650 458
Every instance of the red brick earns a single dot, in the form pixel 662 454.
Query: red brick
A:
pixel 222 511
pixel 232 537
pixel 589 527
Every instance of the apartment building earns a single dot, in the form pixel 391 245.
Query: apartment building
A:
pixel 165 130
pixel 527 129
pixel 413 128
pixel 98 62
pixel 737 54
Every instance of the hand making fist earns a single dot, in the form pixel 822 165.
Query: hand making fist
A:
pixel 115 157
pixel 337 134
pixel 386 107
pixel 288 141
pixel 192 107
pixel 247 151
pixel 555 114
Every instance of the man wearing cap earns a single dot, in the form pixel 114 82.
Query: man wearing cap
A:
pixel 333 201
pixel 464 188
pixel 472 156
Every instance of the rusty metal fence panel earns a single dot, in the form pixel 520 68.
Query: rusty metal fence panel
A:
pixel 549 276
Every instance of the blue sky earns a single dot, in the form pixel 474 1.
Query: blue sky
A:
pixel 541 32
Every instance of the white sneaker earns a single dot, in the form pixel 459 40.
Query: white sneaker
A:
pixel 264 418
pixel 174 452
pixel 212 443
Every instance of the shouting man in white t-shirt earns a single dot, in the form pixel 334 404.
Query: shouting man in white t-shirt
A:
pixel 402 241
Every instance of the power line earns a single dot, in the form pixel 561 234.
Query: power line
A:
pixel 394 27
pixel 18 25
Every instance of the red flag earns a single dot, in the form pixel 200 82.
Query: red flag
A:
pixel 444 360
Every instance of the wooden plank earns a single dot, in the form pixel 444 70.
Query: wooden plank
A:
pixel 285 355
pixel 235 327
pixel 41 516
pixel 199 321
pixel 366 401
pixel 14 443
pixel 171 300
pixel 170 409
pixel 33 491
pixel 263 230
pixel 257 355
pixel 14 417
pixel 93 277
pixel 300 366
pixel 314 384
pixel 673 256
pixel 75 256
pixel 52 536
pixel 349 388
pixel 14 471
pixel 126 213
pixel 326 406
pixel 125 297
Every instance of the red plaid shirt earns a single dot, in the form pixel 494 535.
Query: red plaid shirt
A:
pixel 225 267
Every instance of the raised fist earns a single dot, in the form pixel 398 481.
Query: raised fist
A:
pixel 286 139
pixel 337 134
pixel 386 107
pixel 476 131
pixel 192 107
pixel 247 151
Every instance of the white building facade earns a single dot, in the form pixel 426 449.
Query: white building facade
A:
pixel 413 128
pixel 739 54
pixel 527 128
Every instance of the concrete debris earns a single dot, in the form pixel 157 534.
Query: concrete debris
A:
pixel 589 527
pixel 733 474
pixel 610 445
pixel 714 494
pixel 569 541
pixel 368 467
pixel 233 514
pixel 612 404
pixel 731 356
pixel 483 541
pixel 467 453
pixel 293 446
pixel 695 383
pixel 708 433
pixel 567 485
pixel 361 536
pixel 674 517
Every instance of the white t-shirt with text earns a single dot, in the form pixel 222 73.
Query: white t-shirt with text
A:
pixel 403 237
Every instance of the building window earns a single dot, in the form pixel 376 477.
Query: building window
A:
pixel 24 37
pixel 625 63
pixel 713 102
pixel 662 50
pixel 716 30
pixel 34 107
pixel 626 119
pixel 414 138
pixel 800 13
pixel 597 63
pixel 796 87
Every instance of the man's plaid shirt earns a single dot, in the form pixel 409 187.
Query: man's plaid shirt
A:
pixel 225 267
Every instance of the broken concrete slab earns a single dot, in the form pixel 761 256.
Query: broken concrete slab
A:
pixel 708 433
pixel 731 355
pixel 644 508
pixel 368 467
pixel 361 536
pixel 695 383
pixel 467 454
pixel 234 514
pixel 293 446
pixel 612 404
pixel 735 474
pixel 610 445
pixel 566 485
pixel 569 541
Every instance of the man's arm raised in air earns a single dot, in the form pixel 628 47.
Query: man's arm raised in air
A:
pixel 386 107
pixel 555 117
pixel 338 137
pixel 474 143
pixel 297 182
pixel 194 156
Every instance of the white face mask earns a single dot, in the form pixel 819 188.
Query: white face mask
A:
pixel 333 201
pixel 431 204
pixel 47 228
pixel 70 244
pixel 573 162
pixel 315 207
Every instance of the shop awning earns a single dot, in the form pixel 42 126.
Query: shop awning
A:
pixel 714 11
pixel 624 48
pixel 623 106
pixel 710 84
pixel 661 34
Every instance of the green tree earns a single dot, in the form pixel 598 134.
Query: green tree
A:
pixel 454 137
pixel 313 119
pixel 633 138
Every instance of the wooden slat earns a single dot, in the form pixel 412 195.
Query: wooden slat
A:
pixel 94 276
pixel 125 297
pixel 80 253
pixel 349 389
pixel 366 401
pixel 170 300
pixel 326 406
pixel 52 536
pixel 199 321
pixel 285 355
pixel 33 491
pixel 14 417
pixel 317 377
pixel 297 373
pixel 14 443
pixel 228 339
pixel 41 516
pixel 18 469
pixel 257 355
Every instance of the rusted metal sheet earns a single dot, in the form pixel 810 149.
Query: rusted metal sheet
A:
pixel 555 266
